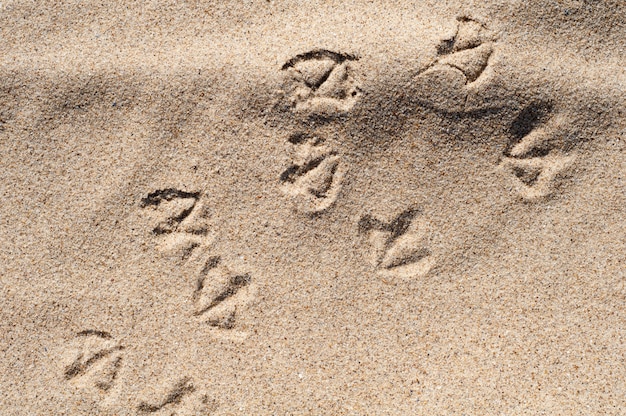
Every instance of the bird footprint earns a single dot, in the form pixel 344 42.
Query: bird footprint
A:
pixel 462 59
pixel 539 152
pixel 93 361
pixel 181 221
pixel 315 177
pixel 220 293
pixel 400 247
pixel 182 399
pixel 323 83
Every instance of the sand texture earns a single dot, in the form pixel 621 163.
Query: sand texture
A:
pixel 269 207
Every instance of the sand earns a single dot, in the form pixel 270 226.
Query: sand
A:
pixel 313 208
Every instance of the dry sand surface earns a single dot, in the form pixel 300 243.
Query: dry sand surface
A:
pixel 313 208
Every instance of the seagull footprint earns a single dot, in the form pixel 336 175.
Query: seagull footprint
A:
pixel 182 399
pixel 220 294
pixel 322 83
pixel 181 221
pixel 539 152
pixel 94 360
pixel 314 179
pixel 400 248
pixel 463 58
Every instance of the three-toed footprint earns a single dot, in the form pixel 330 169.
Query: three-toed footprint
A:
pixel 315 176
pixel 539 151
pixel 461 60
pixel 400 248
pixel 322 83
pixel 179 220
pixel 220 294
pixel 93 360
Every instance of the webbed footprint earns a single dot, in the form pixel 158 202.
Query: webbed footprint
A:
pixel 218 294
pixel 180 221
pixel 462 59
pixel 539 152
pixel 314 179
pixel 400 248
pixel 92 361
pixel 322 83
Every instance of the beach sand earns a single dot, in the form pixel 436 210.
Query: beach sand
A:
pixel 324 208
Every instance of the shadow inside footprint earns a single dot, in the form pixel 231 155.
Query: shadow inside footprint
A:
pixel 323 83
pixel 538 152
pixel 96 360
pixel 218 294
pixel 174 396
pixel 400 248
pixel 462 59
pixel 315 177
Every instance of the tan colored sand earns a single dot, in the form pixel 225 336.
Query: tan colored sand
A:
pixel 325 208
